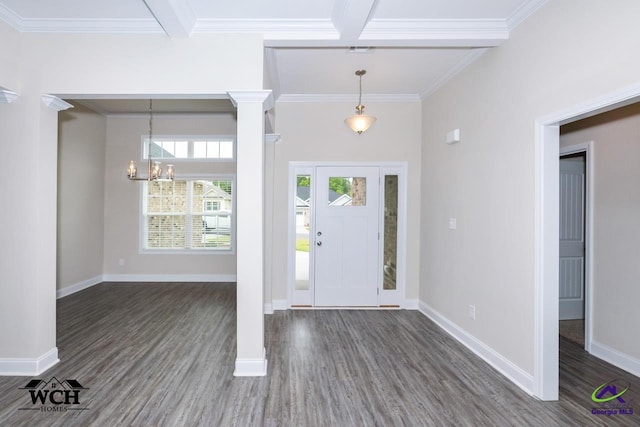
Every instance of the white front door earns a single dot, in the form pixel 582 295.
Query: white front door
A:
pixel 572 178
pixel 347 236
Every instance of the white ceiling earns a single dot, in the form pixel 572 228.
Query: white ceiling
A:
pixel 415 45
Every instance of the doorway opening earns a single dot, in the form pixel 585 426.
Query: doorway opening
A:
pixel 574 245
pixel 546 348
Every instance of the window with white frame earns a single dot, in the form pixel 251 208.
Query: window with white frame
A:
pixel 189 214
pixel 190 147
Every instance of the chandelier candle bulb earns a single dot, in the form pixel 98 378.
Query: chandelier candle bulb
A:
pixel 132 170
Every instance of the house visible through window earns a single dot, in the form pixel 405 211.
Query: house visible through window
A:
pixel 194 214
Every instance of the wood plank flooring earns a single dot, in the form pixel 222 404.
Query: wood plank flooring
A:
pixel 163 354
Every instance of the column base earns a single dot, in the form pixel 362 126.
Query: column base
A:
pixel 251 367
pixel 28 367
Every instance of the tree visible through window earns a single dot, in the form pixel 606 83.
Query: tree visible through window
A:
pixel 188 215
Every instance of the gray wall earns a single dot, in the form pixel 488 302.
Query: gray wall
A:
pixel 567 53
pixel 81 163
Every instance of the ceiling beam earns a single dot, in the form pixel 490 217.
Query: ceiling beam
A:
pixel 175 16
pixel 350 17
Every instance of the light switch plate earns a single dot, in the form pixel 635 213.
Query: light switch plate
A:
pixel 453 224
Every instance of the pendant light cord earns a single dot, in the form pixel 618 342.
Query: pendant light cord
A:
pixel 150 123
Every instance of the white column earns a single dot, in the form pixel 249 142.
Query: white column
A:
pixel 251 357
pixel 28 261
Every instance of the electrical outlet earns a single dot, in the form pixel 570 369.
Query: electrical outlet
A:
pixel 121 262
pixel 472 311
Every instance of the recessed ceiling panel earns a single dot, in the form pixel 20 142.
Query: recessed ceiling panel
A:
pixel 446 9
pixel 389 70
pixel 261 9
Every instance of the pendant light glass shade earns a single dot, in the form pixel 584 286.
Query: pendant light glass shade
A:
pixel 360 122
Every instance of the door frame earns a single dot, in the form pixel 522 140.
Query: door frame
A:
pixel 587 149
pixel 305 299
pixel 546 236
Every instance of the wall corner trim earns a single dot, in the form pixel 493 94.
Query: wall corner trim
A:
pixel 251 367
pixel 512 372
pixel 24 367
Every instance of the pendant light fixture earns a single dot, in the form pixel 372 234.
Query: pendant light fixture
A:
pixel 154 169
pixel 360 122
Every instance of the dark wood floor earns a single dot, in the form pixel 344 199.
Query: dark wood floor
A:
pixel 163 354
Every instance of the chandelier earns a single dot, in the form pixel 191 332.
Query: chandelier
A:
pixel 154 169
pixel 360 122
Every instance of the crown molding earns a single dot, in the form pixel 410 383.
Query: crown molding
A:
pixel 142 25
pixel 10 17
pixel 7 96
pixel 401 97
pixel 523 12
pixel 453 71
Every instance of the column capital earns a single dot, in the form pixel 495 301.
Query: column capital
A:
pixel 55 103
pixel 273 138
pixel 7 96
pixel 263 96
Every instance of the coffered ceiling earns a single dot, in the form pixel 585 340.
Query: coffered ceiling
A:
pixel 312 48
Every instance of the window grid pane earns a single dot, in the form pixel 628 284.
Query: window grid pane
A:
pixel 200 148
pixel 174 214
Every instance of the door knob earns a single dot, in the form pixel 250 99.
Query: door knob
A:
pixel 319 233
pixel 319 243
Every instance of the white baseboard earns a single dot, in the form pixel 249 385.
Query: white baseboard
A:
pixel 571 309
pixel 68 290
pixel 28 367
pixel 280 304
pixel 251 367
pixel 616 358
pixel 276 304
pixel 411 304
pixel 169 278
pixel 514 373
